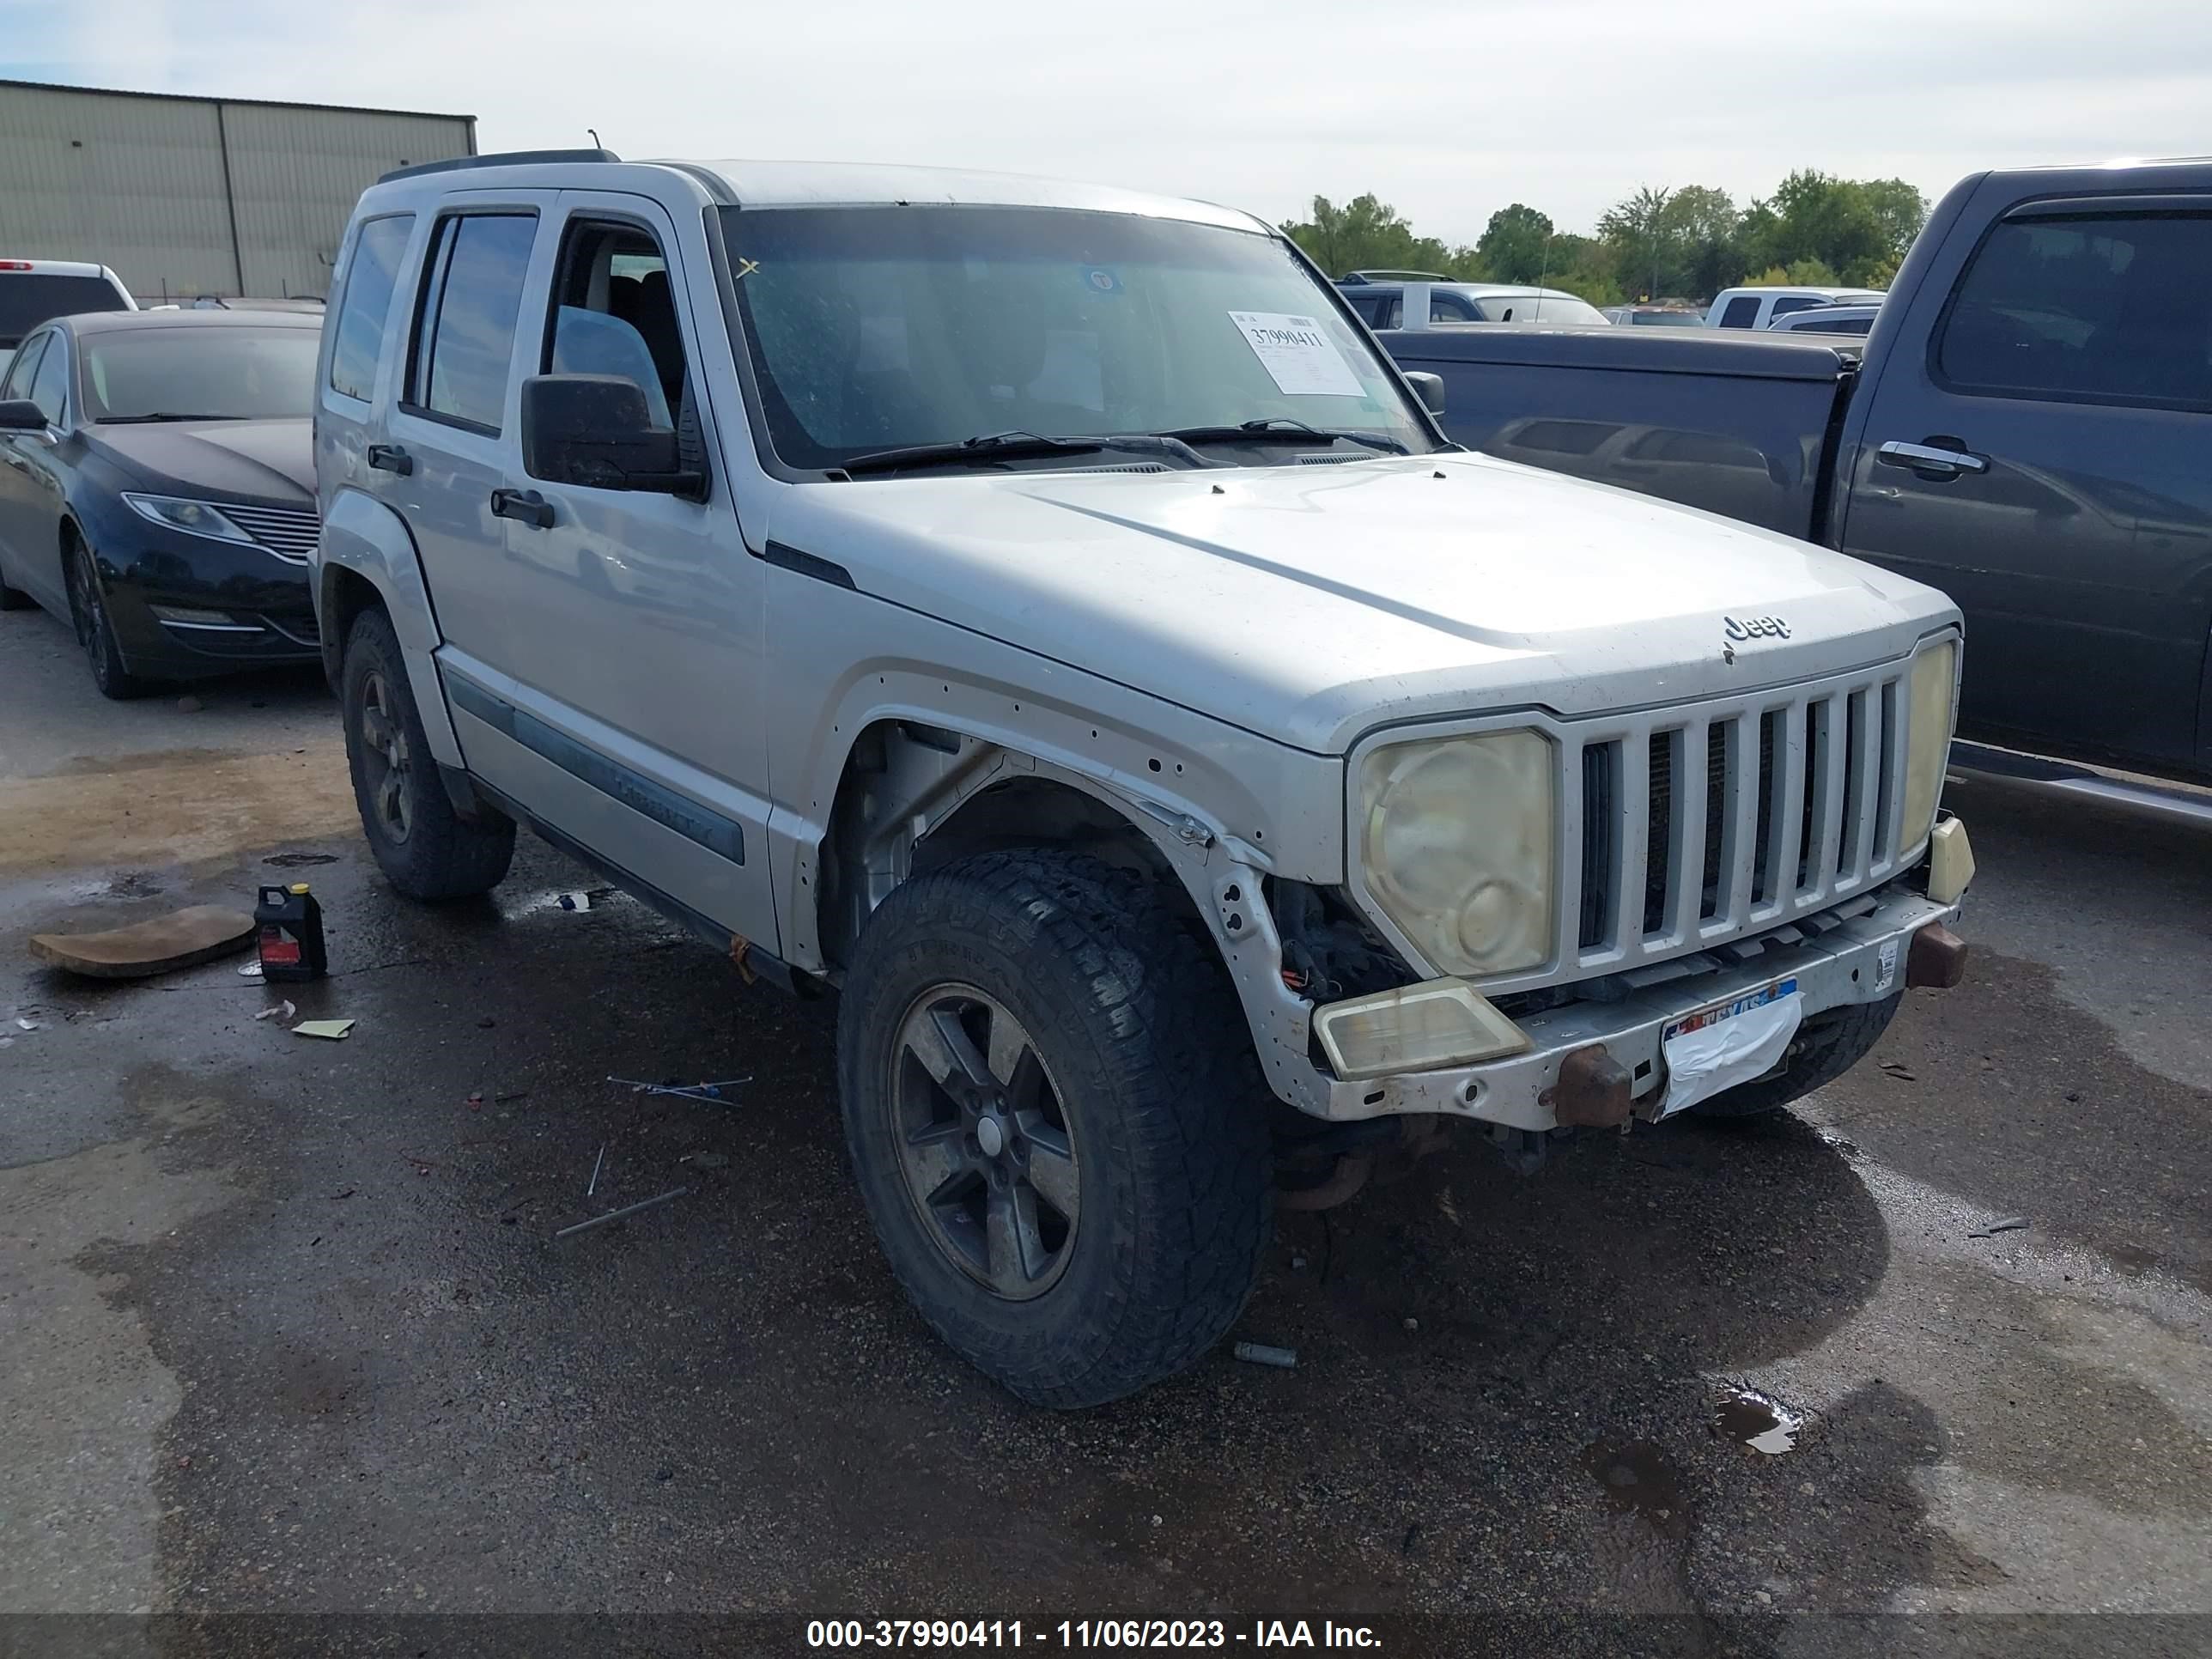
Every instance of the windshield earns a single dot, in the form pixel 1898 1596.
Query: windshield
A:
pixel 878 328
pixel 204 373
pixel 28 298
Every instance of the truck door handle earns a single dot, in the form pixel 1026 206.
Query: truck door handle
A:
pixel 391 457
pixel 526 505
pixel 1928 457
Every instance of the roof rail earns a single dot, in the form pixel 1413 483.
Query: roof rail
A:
pixel 1392 276
pixel 510 158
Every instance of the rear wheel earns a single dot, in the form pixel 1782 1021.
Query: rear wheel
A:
pixel 96 629
pixel 425 849
pixel 1056 1122
pixel 1826 1046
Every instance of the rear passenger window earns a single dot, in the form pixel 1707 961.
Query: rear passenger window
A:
pixel 1742 312
pixel 465 331
pixel 370 280
pixel 614 313
pixel 1789 303
pixel 2109 309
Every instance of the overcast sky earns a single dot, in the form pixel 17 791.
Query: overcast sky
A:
pixel 1446 110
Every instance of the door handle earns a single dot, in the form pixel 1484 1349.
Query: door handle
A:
pixel 391 457
pixel 526 505
pixel 1928 458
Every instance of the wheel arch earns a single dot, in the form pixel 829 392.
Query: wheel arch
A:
pixel 366 557
pixel 915 796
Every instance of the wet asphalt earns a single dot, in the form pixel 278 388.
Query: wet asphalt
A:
pixel 287 1332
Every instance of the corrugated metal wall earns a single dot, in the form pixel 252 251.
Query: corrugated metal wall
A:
pixel 184 197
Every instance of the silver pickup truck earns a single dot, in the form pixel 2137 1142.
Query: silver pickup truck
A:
pixel 1036 614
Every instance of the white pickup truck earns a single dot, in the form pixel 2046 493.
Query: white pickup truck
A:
pixel 1039 615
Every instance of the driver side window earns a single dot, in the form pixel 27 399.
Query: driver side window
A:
pixel 614 313
pixel 50 386
pixel 21 368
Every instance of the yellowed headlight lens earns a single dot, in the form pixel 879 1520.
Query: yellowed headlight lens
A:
pixel 1457 845
pixel 1927 739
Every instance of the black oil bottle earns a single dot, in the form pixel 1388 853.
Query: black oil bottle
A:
pixel 290 933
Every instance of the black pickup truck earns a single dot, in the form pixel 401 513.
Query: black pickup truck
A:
pixel 2028 427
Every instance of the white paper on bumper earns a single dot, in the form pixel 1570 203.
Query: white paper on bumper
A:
pixel 1719 1054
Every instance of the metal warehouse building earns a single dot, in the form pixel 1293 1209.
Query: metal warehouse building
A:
pixel 182 197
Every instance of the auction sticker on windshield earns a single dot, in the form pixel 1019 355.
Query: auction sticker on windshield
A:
pixel 1301 358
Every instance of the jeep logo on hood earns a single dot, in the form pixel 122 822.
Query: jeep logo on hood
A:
pixel 1757 627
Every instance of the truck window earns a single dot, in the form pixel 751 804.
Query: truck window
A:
pixel 1742 312
pixel 1450 308
pixel 465 332
pixel 1789 303
pixel 2105 309
pixel 1369 306
pixel 370 283
pixel 614 313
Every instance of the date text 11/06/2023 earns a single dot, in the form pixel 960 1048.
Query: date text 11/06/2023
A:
pixel 1118 1633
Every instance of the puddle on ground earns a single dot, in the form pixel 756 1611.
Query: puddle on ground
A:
pixel 1637 1476
pixel 297 861
pixel 1757 1421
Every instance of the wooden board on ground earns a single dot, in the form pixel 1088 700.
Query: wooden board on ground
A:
pixel 178 940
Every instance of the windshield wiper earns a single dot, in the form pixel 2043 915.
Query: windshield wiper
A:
pixel 162 415
pixel 1281 430
pixel 994 446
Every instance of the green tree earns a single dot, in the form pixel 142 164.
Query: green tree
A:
pixel 1708 246
pixel 1368 233
pixel 1643 237
pixel 1858 229
pixel 1516 244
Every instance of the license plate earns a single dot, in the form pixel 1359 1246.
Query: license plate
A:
pixel 1728 1043
pixel 1719 1011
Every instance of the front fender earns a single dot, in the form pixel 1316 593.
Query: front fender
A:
pixel 362 536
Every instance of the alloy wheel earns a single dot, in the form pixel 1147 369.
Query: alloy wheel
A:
pixel 984 1143
pixel 386 757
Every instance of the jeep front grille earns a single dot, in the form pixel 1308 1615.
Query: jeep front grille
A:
pixel 1694 825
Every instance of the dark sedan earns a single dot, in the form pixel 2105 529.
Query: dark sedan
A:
pixel 157 489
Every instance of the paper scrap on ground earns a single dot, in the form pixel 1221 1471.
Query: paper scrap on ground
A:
pixel 278 1011
pixel 1302 359
pixel 332 1029
pixel 1724 1052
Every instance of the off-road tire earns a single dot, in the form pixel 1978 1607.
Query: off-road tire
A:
pixel 1826 1046
pixel 1135 1018
pixel 96 629
pixel 442 855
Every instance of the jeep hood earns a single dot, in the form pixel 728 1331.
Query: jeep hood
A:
pixel 1312 604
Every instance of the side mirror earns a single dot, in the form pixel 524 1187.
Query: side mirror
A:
pixel 1431 388
pixel 22 414
pixel 595 431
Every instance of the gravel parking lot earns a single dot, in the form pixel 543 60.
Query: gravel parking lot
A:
pixel 286 1330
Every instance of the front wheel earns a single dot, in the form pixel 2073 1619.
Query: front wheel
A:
pixel 425 849
pixel 1056 1122
pixel 96 629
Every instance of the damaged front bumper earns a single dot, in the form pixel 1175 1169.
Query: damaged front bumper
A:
pixel 1866 958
